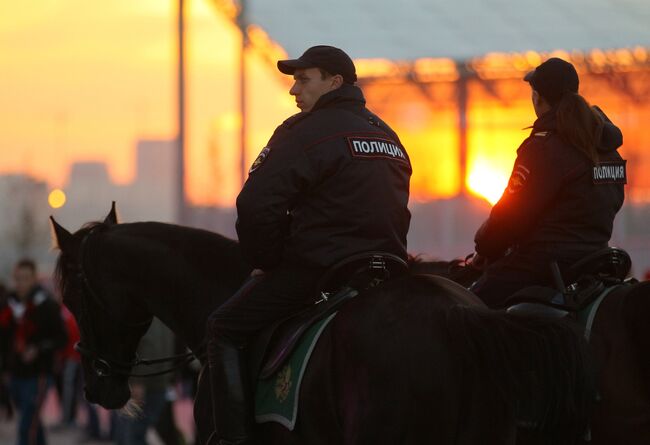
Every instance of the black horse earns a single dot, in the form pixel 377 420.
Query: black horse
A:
pixel 415 360
pixel 620 341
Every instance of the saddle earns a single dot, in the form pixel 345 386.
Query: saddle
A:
pixel 610 263
pixel 589 278
pixel 343 281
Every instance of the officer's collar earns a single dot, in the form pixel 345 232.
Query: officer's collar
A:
pixel 547 121
pixel 346 95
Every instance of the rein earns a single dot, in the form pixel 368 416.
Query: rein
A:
pixel 106 367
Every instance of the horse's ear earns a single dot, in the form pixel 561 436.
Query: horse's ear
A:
pixel 61 235
pixel 111 218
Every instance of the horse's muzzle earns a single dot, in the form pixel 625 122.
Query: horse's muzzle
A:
pixel 108 396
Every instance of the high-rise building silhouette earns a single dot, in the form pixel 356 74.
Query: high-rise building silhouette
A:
pixel 24 229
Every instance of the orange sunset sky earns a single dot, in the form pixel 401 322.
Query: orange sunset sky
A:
pixel 85 80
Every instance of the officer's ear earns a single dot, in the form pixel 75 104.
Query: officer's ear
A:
pixel 337 81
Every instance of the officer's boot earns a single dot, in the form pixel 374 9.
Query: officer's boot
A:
pixel 231 403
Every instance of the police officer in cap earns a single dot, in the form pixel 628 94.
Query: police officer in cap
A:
pixel 333 181
pixel 564 191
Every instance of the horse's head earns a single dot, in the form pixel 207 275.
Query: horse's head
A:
pixel 110 322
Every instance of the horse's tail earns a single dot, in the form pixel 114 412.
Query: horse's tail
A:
pixel 538 369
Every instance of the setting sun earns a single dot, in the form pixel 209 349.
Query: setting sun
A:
pixel 56 199
pixel 487 182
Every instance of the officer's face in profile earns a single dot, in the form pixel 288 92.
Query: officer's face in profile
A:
pixel 309 85
pixel 539 103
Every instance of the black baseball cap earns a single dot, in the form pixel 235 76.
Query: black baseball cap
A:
pixel 331 59
pixel 553 78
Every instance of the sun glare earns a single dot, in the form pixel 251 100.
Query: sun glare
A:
pixel 56 199
pixel 486 182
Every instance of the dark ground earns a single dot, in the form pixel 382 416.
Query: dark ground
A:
pixel 73 436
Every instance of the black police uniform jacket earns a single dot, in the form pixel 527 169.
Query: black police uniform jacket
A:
pixel 331 183
pixel 558 205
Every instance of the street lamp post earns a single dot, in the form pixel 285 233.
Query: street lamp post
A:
pixel 242 23
pixel 181 207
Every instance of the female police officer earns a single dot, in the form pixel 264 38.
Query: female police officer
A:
pixel 563 194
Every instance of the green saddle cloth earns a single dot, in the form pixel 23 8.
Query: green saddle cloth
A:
pixel 276 398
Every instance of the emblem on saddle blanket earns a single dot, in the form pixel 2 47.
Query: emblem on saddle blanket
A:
pixel 283 384
pixel 276 398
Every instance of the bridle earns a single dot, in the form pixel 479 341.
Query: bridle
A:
pixel 104 366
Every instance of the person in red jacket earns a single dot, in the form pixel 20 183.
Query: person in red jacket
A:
pixel 6 325
pixel 35 333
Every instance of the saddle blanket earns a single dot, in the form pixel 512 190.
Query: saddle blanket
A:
pixel 276 398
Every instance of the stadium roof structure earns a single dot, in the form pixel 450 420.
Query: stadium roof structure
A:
pixel 406 30
pixel 427 41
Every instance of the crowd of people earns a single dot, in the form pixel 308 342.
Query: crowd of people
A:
pixel 37 357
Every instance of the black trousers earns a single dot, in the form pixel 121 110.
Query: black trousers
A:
pixel 516 271
pixel 263 300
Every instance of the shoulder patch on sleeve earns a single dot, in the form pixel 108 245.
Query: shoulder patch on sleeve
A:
pixel 518 178
pixel 370 147
pixel 610 172
pixel 260 159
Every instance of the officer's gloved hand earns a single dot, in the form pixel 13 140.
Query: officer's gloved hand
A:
pixel 477 261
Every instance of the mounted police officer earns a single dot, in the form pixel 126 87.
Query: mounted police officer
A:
pixel 565 189
pixel 333 181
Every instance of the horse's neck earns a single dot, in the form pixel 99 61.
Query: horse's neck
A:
pixel 186 311
pixel 183 288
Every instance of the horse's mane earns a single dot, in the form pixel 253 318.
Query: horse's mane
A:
pixel 420 264
pixel 191 241
pixel 543 394
pixel 458 270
